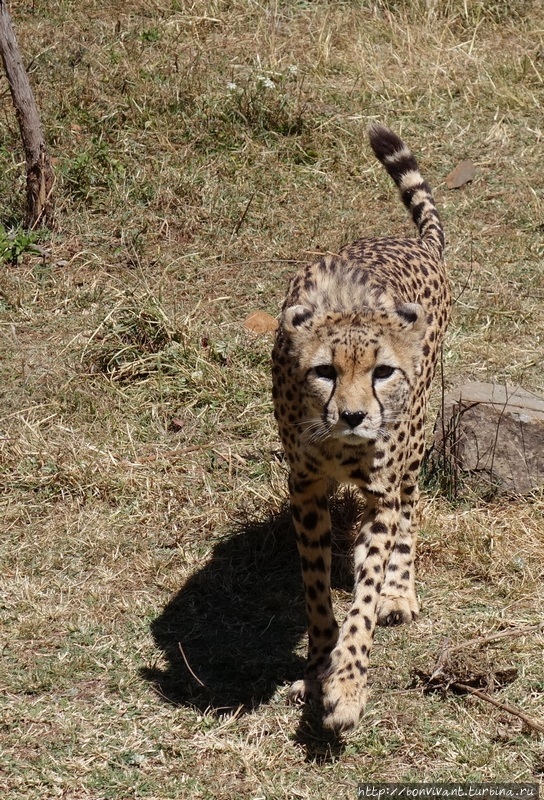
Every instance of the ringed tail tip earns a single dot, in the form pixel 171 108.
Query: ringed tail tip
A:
pixel 415 193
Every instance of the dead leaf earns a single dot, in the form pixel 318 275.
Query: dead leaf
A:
pixel 260 322
pixel 463 173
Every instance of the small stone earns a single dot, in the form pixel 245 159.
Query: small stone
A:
pixel 463 173
pixel 260 322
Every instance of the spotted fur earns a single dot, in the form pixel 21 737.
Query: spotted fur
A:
pixel 353 361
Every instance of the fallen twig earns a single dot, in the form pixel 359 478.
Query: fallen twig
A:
pixel 435 681
pixel 166 454
pixel 533 723
pixel 509 633
pixel 197 679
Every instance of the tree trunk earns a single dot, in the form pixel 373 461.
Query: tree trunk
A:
pixel 39 174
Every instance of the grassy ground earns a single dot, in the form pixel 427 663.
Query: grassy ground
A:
pixel 150 591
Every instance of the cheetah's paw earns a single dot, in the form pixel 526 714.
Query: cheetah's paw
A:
pixel 343 703
pixel 303 690
pixel 396 610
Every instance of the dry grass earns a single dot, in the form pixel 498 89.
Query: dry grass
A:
pixel 199 147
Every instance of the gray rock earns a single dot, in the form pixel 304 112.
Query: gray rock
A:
pixel 495 433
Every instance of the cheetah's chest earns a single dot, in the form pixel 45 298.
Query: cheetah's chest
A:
pixel 373 466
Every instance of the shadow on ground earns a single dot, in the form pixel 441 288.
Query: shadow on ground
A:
pixel 235 625
pixel 231 633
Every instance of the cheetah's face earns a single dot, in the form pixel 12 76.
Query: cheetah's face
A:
pixel 355 374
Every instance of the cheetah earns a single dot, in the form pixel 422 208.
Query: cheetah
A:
pixel 353 360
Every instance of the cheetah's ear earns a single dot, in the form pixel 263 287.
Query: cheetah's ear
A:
pixel 294 317
pixel 412 317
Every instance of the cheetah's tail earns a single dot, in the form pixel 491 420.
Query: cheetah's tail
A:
pixel 415 192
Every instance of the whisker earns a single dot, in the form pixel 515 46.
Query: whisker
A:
pixel 315 430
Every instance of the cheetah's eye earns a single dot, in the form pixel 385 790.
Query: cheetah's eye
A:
pixel 383 371
pixel 326 371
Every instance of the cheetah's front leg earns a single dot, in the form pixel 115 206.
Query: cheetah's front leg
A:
pixel 312 523
pixel 398 600
pixel 344 685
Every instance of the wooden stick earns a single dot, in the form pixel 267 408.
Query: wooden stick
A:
pixel 39 173
pixel 509 633
pixel 172 454
pixel 533 723
pixel 447 651
pixel 197 679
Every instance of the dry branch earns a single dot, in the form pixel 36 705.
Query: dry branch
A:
pixel 39 173
pixel 510 633
pixel 197 679
pixel 439 678
pixel 531 722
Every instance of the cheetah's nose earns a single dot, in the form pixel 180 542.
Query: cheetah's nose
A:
pixel 353 418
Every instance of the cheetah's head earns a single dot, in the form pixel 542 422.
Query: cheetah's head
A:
pixel 354 372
